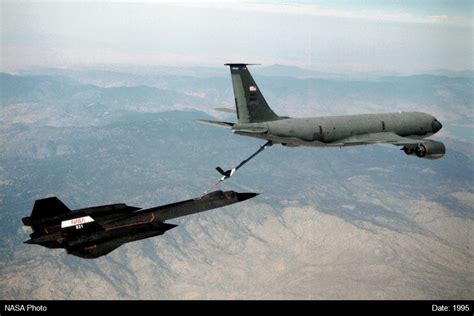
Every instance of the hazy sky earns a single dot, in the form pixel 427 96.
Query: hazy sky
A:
pixel 403 36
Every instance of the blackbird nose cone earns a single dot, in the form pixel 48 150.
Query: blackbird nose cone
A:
pixel 246 196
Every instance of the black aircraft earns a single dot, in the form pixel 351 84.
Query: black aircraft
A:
pixel 95 231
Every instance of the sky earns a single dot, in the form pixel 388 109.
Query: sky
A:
pixel 402 36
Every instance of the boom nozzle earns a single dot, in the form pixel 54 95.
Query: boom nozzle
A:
pixel 226 174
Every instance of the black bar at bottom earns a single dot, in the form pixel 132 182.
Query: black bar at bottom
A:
pixel 461 307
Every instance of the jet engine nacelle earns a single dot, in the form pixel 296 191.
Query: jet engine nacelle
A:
pixel 428 150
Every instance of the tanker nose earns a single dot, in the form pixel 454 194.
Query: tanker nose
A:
pixel 436 126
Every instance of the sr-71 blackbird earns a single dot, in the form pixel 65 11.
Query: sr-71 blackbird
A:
pixel 256 119
pixel 95 231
